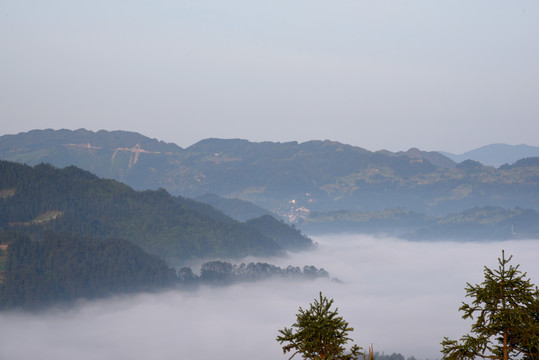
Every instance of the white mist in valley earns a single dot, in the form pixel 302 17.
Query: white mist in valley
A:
pixel 399 295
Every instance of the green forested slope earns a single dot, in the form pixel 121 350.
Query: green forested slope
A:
pixel 70 199
pixel 61 267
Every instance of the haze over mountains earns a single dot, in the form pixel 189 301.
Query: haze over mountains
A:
pixel 291 179
pixel 198 230
pixel 496 154
pixel 116 212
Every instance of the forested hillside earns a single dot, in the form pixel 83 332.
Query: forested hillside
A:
pixel 61 267
pixel 58 268
pixel 121 155
pixel 46 198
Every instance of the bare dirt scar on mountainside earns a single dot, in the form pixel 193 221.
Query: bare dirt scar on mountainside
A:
pixel 41 218
pixel 136 150
pixel 7 193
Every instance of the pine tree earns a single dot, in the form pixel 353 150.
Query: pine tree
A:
pixel 319 333
pixel 507 325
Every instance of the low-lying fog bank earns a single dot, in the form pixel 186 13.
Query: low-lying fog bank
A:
pixel 401 296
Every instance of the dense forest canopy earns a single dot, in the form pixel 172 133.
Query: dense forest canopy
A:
pixel 67 234
pixel 62 267
pixel 70 199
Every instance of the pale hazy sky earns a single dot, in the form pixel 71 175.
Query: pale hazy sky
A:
pixel 438 75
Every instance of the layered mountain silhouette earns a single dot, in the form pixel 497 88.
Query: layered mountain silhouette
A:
pixel 496 154
pixel 289 179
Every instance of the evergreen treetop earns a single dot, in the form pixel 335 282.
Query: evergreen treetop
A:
pixel 505 306
pixel 319 333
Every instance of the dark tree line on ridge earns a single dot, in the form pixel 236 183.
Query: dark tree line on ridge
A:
pixel 62 267
pixel 222 272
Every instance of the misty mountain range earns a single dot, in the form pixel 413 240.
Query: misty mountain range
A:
pixel 290 179
pixel 479 223
pixel 220 199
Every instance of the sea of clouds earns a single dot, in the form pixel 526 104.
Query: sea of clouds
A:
pixel 400 296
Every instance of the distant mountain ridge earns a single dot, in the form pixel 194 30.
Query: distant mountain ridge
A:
pixel 436 158
pixel 478 223
pixel 496 154
pixel 290 179
pixel 108 154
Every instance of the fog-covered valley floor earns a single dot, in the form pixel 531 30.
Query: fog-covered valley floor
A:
pixel 400 296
